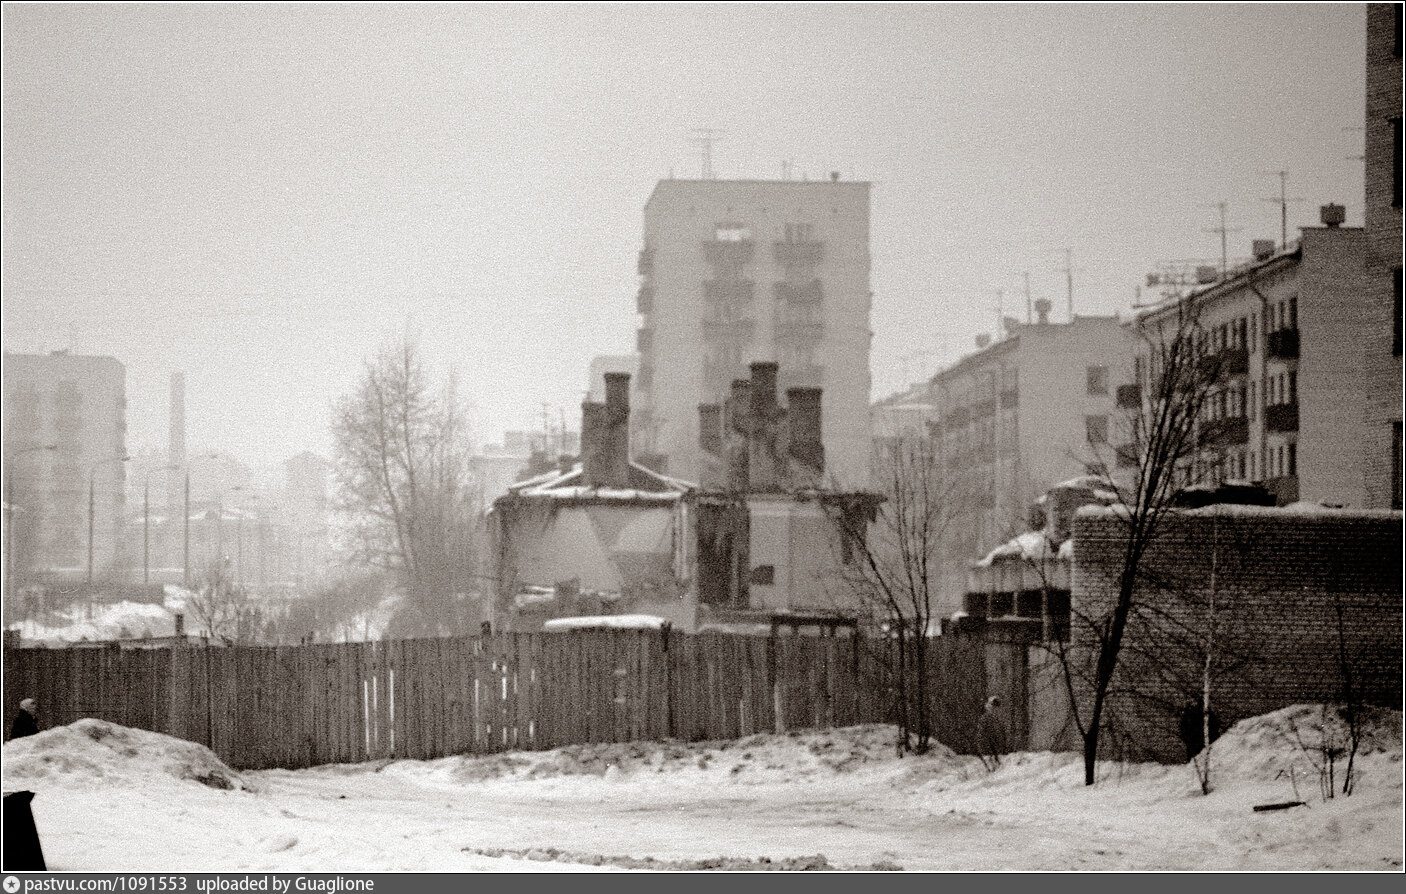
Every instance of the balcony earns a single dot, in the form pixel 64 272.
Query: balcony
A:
pixel 728 330
pixel 1227 432
pixel 729 254
pixel 646 261
pixel 799 293
pixel 1282 417
pixel 798 254
pixel 1224 364
pixel 1283 345
pixel 1129 397
pixel 644 300
pixel 1127 456
pixel 728 291
pixel 797 330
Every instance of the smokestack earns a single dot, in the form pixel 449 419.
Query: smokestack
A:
pixel 737 428
pixel 615 439
pixel 804 444
pixel 764 460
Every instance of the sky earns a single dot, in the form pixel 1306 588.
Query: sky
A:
pixel 260 196
pixel 113 799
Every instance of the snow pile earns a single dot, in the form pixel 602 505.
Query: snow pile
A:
pixel 92 623
pixel 92 751
pixel 1297 739
pixel 760 757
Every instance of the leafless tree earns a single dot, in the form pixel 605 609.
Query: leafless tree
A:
pixel 220 610
pixel 405 485
pixel 892 554
pixel 1172 444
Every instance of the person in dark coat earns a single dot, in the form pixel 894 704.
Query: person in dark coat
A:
pixel 25 723
pixel 991 734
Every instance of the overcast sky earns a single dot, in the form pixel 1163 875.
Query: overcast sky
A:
pixel 261 195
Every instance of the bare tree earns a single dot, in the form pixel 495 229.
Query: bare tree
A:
pixel 220 610
pixel 892 555
pixel 405 483
pixel 1173 443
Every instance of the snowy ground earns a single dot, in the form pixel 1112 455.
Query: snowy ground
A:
pixel 116 799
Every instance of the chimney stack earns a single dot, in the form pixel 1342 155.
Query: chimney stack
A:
pixel 737 438
pixel 1042 311
pixel 1332 215
pixel 592 431
pixel 765 463
pixel 711 471
pixel 615 434
pixel 804 443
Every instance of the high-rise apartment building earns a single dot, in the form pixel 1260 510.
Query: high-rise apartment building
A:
pixel 1382 219
pixel 741 271
pixel 65 442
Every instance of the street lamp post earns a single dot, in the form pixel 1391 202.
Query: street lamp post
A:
pixel 10 513
pixel 92 473
pixel 146 522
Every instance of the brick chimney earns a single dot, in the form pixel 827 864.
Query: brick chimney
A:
pixel 737 435
pixel 804 447
pixel 766 465
pixel 615 433
pixel 592 447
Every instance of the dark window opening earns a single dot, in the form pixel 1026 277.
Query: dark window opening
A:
pixel 764 574
pixel 1396 313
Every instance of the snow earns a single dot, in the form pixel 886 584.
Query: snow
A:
pixel 592 622
pixel 112 799
pixel 1030 546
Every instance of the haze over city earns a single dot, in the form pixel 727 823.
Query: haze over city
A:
pixel 259 196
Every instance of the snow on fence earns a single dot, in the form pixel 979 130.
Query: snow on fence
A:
pixel 299 706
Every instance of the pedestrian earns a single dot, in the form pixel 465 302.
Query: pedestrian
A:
pixel 25 723
pixel 991 734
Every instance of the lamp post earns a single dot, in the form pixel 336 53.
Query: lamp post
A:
pixel 146 522
pixel 10 513
pixel 92 473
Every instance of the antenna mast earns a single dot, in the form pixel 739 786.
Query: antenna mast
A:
pixel 1027 298
pixel 705 137
pixel 1283 202
pixel 1223 230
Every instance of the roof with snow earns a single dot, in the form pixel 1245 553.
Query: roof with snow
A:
pixel 646 486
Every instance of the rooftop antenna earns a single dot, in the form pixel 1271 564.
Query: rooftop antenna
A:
pixel 1068 270
pixel 705 137
pixel 1283 202
pixel 1223 230
pixel 1028 318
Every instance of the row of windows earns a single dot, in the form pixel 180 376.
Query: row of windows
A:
pixel 791 233
pixel 1242 400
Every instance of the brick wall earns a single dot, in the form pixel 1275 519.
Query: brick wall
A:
pixel 1285 584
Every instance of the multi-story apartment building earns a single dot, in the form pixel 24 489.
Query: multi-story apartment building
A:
pixel 741 271
pixel 1290 400
pixel 1382 219
pixel 1009 421
pixel 65 444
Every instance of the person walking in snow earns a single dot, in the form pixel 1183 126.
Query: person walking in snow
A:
pixel 991 734
pixel 25 723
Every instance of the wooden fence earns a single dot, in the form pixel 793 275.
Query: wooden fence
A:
pixel 298 706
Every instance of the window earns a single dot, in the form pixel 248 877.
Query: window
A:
pixel 732 232
pixel 1396 310
pixel 800 232
pixel 1097 379
pixel 764 574
pixel 1396 463
pixel 1293 459
pixel 1293 311
pixel 1096 429
pixel 1293 388
pixel 1396 162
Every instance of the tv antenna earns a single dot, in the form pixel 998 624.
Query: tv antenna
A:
pixel 1223 230
pixel 705 137
pixel 1283 202
pixel 1068 271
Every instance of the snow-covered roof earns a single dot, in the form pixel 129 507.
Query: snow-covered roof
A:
pixel 590 622
pixel 1030 546
pixel 570 484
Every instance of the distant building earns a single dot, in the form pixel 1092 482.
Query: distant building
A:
pixel 53 498
pixel 1292 335
pixel 1382 218
pixel 1008 422
pixel 739 271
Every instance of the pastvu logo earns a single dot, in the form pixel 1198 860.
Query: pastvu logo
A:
pixel 12 884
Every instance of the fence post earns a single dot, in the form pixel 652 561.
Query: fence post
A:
pixel 778 696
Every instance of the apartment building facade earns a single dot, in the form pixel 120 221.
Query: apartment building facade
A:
pixel 65 443
pixel 1382 220
pixel 1009 421
pixel 740 271
pixel 1290 404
